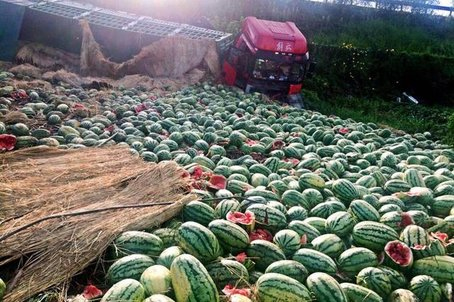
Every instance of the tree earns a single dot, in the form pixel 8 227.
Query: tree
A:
pixel 423 10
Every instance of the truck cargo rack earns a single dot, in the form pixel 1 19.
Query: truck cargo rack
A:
pixel 55 23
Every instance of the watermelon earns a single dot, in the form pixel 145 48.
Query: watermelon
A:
pixel 315 261
pixel 229 235
pixel 414 178
pixel 2 287
pixel 168 255
pixel 292 198
pixel 268 217
pixel 325 288
pixel 329 244
pixel 198 241
pixel 304 229
pixel 135 242
pixel 414 235
pixel 441 268
pixel 345 190
pixel 402 295
pixel 397 278
pixel 167 235
pixel 158 298
pixel 128 267
pixel 191 280
pixel 399 254
pixel 226 206
pixel 228 272
pixel 374 279
pixel 426 288
pixel 357 293
pixel 373 235
pixel 125 290
pixel 325 209
pixel 313 197
pixel 290 268
pixel 340 223
pixel 442 205
pixel 299 213
pixel 316 222
pixel 199 212
pixel 363 211
pixel 156 280
pixel 264 253
pixel 311 181
pixel 288 241
pixel 272 287
pixel 354 259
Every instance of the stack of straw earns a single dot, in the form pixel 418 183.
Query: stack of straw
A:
pixel 39 182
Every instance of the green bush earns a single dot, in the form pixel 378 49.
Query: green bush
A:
pixel 449 138
pixel 385 73
pixel 407 117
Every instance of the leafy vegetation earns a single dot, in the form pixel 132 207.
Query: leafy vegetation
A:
pixel 449 135
pixel 403 116
pixel 389 33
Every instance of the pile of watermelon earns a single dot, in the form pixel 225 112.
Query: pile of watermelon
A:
pixel 293 205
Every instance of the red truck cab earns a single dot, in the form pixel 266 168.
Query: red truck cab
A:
pixel 269 57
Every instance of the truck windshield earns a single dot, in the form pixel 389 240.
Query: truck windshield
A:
pixel 278 71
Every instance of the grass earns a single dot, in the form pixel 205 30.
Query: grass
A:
pixel 390 34
pixel 407 117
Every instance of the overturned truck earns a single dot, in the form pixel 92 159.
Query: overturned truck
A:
pixel 99 42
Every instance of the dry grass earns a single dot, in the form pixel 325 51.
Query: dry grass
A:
pixel 39 182
pixel 47 57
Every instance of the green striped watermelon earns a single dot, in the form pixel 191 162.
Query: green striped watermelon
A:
pixel 354 259
pixel 340 223
pixel 199 212
pixel 397 278
pixel 441 268
pixel 156 280
pixel 374 279
pixel 402 295
pixel 414 178
pixel 315 261
pixel 345 190
pixel 158 298
pixel 198 241
pixel 191 281
pixel 329 244
pixel 288 241
pixel 304 229
pixel 363 211
pixel 292 198
pixel 290 268
pixel 357 293
pixel 325 288
pixel 373 235
pixel 311 181
pixel 414 235
pixel 168 255
pixel 228 272
pixel 425 288
pixel 128 267
pixel 264 253
pixel 225 206
pixel 135 242
pixel 299 213
pixel 268 217
pixel 125 290
pixel 272 287
pixel 229 235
